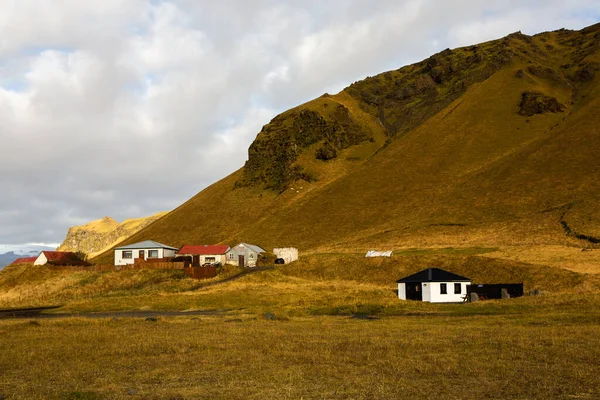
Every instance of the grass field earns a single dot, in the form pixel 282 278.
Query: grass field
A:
pixel 310 346
pixel 544 348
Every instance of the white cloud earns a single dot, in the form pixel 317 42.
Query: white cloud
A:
pixel 103 102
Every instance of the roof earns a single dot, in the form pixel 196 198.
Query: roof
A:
pixel 253 247
pixel 62 258
pixel 433 275
pixel 146 244
pixel 23 260
pixel 203 250
pixel 58 255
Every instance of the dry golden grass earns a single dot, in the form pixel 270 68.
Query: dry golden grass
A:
pixel 544 351
pixel 571 258
pixel 531 347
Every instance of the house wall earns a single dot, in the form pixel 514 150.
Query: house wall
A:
pixel 402 291
pixel 426 291
pixel 41 260
pixel 436 297
pixel 289 254
pixel 218 257
pixel 250 256
pixel 162 253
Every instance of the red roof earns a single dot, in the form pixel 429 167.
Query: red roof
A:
pixel 63 258
pixel 204 250
pixel 24 260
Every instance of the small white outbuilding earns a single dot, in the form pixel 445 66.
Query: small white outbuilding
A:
pixel 433 285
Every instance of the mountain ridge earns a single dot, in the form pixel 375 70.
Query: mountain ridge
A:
pixel 470 146
pixel 97 236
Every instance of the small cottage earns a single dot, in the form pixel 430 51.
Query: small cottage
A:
pixel 143 250
pixel 244 255
pixel 204 254
pixel 58 258
pixel 434 285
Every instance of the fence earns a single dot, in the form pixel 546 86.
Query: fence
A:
pixel 193 272
pixel 109 268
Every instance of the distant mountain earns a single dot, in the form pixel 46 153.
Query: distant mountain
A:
pixel 97 236
pixel 495 143
pixel 8 258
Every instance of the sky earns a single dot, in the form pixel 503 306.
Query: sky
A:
pixel 125 108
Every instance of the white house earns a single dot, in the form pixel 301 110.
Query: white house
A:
pixel 58 258
pixel 204 254
pixel 289 254
pixel 147 249
pixel 433 285
pixel 244 255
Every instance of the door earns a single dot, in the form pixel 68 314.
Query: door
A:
pixel 241 261
pixel 141 254
pixel 413 291
pixel 195 261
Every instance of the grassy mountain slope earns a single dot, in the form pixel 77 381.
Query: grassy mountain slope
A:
pixel 489 144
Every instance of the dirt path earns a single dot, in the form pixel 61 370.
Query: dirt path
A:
pixel 112 314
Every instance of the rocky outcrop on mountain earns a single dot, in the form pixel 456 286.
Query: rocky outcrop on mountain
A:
pixel 97 236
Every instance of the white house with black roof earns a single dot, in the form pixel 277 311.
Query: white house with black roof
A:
pixel 434 285
pixel 147 249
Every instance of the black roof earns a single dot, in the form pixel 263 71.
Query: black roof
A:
pixel 433 275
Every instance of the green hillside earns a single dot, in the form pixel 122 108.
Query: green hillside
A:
pixel 492 144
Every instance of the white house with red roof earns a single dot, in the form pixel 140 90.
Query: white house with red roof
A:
pixel 58 258
pixel 204 254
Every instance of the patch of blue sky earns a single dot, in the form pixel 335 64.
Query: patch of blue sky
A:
pixel 35 50
pixel 14 84
pixel 140 86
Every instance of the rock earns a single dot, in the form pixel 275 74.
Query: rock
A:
pixel 132 392
pixel 538 103
pixel 504 294
pixel 473 297
pixel 269 316
pixel 535 292
pixel 152 319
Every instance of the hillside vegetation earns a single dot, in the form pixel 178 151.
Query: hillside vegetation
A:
pixel 491 144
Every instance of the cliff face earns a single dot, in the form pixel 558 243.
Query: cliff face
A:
pixel 100 235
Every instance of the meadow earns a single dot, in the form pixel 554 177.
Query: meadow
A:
pixel 328 326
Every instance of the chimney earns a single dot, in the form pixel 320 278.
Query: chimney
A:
pixel 429 274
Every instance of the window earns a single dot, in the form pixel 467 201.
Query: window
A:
pixel 457 288
pixel 443 289
pixel 127 254
pixel 231 255
pixel 209 259
pixel 251 255
pixel 152 253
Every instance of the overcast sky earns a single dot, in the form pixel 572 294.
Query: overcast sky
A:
pixel 130 107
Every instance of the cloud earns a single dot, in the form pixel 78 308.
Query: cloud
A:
pixel 129 108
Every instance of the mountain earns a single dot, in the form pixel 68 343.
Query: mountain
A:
pixel 495 143
pixel 100 235
pixel 8 258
